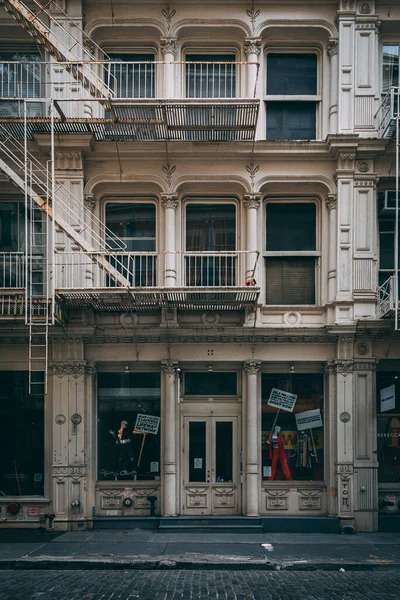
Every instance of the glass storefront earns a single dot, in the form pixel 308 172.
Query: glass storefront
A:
pixel 388 427
pixel 292 440
pixel 129 426
pixel 21 437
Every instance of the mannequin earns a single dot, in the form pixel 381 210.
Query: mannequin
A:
pixel 304 453
pixel 277 452
pixel 124 447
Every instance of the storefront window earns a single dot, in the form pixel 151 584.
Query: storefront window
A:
pixel 129 426
pixel 21 437
pixel 292 441
pixel 388 427
pixel 210 383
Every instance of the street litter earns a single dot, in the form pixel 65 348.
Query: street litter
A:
pixel 268 547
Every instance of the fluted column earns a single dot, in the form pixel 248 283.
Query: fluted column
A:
pixel 168 48
pixel 169 202
pixel 252 49
pixel 252 368
pixel 331 203
pixel 251 204
pixel 333 108
pixel 169 474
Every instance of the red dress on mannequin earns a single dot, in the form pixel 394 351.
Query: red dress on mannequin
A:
pixel 277 452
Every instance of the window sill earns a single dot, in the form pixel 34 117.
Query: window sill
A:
pixel 25 499
pixel 128 483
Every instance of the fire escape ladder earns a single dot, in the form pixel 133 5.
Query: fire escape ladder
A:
pixel 65 47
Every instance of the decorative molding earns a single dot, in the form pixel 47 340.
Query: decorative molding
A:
pixel 365 8
pixel 75 368
pixel 252 46
pixel 363 166
pixel 331 201
pixel 362 348
pixel 90 201
pixel 169 200
pixel 168 45
pixel 332 47
pixel 339 367
pixel 345 417
pixel 345 470
pixel 252 170
pixel 168 14
pixel 169 170
pixel 276 499
pixel 68 161
pixel 363 182
pixel 368 365
pixel 252 200
pixel 252 366
pixel 253 14
pixel 169 366
pixel 309 499
pixel 60 419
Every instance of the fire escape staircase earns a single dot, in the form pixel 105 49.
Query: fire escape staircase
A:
pixel 70 50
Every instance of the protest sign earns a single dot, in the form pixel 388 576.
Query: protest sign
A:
pixel 282 400
pixel 308 419
pixel 147 423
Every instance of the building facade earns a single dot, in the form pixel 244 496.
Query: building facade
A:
pixel 197 212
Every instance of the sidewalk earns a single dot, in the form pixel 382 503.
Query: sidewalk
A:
pixel 145 549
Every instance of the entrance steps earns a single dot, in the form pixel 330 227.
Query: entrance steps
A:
pixel 210 524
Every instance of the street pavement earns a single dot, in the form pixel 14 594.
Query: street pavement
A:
pixel 198 585
pixel 145 549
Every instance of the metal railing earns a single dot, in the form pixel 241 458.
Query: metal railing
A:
pixel 211 269
pixel 387 112
pixel 12 269
pixel 386 298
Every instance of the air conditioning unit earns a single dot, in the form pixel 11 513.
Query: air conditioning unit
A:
pixel 387 202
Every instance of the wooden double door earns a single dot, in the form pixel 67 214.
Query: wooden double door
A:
pixel 211 465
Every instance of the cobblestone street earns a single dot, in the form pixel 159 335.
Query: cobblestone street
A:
pixel 187 585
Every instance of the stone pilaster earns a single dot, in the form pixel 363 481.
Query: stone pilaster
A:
pixel 251 204
pixel 332 49
pixel 169 482
pixel 253 440
pixel 169 203
pixel 168 48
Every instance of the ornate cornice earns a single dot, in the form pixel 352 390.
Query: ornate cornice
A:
pixel 68 160
pixel 252 46
pixel 332 47
pixel 252 200
pixel 331 201
pixel 168 45
pixel 169 200
pixel 340 367
pixel 252 366
pixel 169 366
pixel 75 368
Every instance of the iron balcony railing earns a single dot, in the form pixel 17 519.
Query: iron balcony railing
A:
pixel 209 269
pixel 388 112
pixel 12 270
pixel 386 298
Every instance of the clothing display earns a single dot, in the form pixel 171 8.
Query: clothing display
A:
pixel 277 452
pixel 125 458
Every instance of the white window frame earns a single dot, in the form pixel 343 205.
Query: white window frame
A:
pixel 207 51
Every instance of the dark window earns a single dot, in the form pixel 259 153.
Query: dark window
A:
pixel 223 451
pixel 291 229
pixel 303 457
pixel 386 249
pixel 210 76
pixel 211 235
pixel 135 225
pixel 388 426
pixel 133 75
pixel 123 397
pixel 210 384
pixel 21 436
pixel 197 451
pixel 390 76
pixel 291 75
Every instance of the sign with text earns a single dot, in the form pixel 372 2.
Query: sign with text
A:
pixel 282 400
pixel 388 398
pixel 308 419
pixel 147 423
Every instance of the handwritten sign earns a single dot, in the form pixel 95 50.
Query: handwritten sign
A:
pixel 282 400
pixel 147 423
pixel 308 419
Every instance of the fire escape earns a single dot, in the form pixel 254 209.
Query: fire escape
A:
pixel 92 268
pixel 388 293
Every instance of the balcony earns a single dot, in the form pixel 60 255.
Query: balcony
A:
pixel 387 114
pixel 148 101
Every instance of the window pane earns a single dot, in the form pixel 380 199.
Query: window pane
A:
pixel 122 397
pixel 133 223
pixel 210 80
pixel 21 436
pixel 291 74
pixel 386 251
pixel 133 80
pixel 210 384
pixel 291 226
pixel 299 455
pixel 223 451
pixel 291 120
pixel 210 228
pixel 290 280
pixel 197 451
pixel 390 67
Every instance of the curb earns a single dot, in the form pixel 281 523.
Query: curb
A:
pixel 182 564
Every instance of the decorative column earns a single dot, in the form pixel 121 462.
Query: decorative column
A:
pixel 170 203
pixel 253 441
pixel 333 108
pixel 331 203
pixel 168 48
pixel 169 475
pixel 252 49
pixel 251 204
